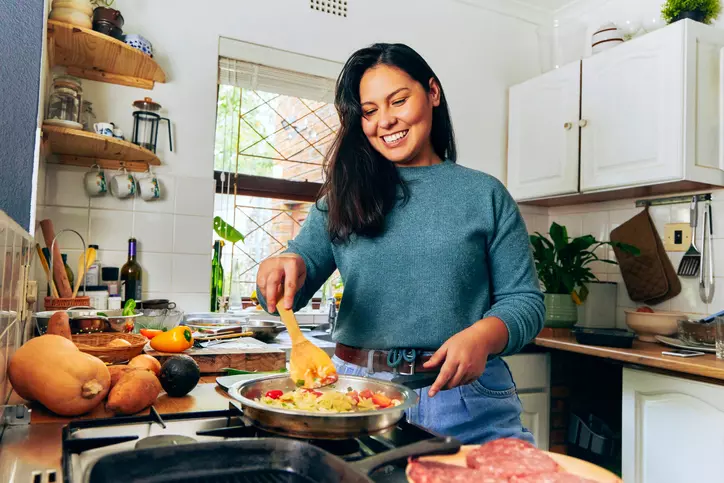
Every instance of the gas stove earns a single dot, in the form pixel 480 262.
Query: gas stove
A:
pixel 86 441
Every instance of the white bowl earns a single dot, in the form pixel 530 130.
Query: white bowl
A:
pixel 648 324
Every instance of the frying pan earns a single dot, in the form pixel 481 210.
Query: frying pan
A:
pixel 252 460
pixel 307 424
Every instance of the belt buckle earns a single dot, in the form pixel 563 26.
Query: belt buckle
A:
pixel 412 370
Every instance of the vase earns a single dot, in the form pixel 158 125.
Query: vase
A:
pixel 561 311
pixel 695 16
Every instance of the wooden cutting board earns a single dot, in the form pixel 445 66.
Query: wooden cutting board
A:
pixel 245 353
pixel 569 464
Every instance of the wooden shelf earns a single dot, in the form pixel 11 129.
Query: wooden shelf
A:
pixel 83 148
pixel 91 55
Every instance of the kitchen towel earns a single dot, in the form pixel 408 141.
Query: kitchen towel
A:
pixel 649 277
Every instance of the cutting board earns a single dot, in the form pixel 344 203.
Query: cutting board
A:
pixel 569 464
pixel 245 353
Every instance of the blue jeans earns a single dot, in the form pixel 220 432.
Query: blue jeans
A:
pixel 485 410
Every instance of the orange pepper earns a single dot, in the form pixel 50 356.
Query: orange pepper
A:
pixel 174 340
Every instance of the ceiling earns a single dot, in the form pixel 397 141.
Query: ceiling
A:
pixel 551 5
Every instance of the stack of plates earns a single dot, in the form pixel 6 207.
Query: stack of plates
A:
pixel 606 37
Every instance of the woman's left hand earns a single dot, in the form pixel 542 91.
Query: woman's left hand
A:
pixel 463 356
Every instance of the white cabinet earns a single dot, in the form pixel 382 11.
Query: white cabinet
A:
pixel 673 429
pixel 531 373
pixel 651 113
pixel 543 156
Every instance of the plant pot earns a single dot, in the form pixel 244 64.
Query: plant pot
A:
pixel 561 311
pixel 695 16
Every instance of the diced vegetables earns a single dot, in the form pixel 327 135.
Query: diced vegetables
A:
pixel 328 400
pixel 276 394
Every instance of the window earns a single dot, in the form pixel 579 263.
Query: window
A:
pixel 273 130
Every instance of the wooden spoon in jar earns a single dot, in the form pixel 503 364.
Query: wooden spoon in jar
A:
pixel 309 366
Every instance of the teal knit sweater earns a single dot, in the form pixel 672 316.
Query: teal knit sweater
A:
pixel 457 252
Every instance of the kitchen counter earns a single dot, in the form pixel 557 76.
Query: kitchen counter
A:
pixel 642 354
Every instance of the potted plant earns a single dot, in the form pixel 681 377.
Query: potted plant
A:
pixel 563 267
pixel 705 11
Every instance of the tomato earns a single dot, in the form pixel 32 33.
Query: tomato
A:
pixel 381 400
pixel 312 391
pixel 354 396
pixel 275 394
pixel 647 310
pixel 366 394
pixel 150 333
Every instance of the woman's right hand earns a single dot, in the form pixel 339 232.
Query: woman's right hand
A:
pixel 281 275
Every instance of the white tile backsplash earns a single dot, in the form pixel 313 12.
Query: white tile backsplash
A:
pixel 65 218
pixel 661 215
pixel 64 187
pixel 194 196
pixel 192 234
pixel 110 230
pixel 154 231
pixel 157 271
pixel 688 300
pixel 191 273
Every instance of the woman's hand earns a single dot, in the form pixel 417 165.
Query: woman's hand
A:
pixel 464 355
pixel 287 269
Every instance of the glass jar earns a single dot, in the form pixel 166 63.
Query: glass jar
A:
pixel 65 100
pixel 87 116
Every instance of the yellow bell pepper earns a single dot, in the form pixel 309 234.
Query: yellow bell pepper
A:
pixel 174 340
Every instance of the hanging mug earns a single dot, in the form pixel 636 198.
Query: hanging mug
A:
pixel 123 185
pixel 103 128
pixel 95 182
pixel 149 188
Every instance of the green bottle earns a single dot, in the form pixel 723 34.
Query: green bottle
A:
pixel 217 277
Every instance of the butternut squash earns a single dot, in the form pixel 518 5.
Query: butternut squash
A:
pixel 51 370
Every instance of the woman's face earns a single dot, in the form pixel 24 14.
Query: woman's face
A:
pixel 397 114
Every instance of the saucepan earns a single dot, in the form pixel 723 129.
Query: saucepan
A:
pixel 252 460
pixel 312 425
pixel 85 320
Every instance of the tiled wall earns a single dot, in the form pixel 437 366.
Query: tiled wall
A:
pixel 174 233
pixel 599 219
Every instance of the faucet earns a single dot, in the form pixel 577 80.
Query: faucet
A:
pixel 332 315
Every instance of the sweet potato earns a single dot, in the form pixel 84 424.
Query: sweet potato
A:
pixel 134 391
pixel 144 361
pixel 59 324
pixel 118 371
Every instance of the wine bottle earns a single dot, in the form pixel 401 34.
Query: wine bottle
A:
pixel 217 277
pixel 131 273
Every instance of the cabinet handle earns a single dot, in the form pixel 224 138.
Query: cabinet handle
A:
pixel 567 126
pixel 582 123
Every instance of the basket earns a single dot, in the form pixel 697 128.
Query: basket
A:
pixel 52 303
pixel 94 344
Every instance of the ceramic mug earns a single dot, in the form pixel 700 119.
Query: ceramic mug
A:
pixel 149 188
pixel 103 128
pixel 95 182
pixel 123 185
pixel 118 134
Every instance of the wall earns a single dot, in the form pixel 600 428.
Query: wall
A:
pixel 476 53
pixel 21 38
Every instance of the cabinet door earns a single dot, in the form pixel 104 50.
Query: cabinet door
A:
pixel 633 112
pixel 543 135
pixel 535 416
pixel 673 429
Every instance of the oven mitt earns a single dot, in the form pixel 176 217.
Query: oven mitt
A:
pixel 649 278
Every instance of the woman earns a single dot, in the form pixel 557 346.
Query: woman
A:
pixel 434 256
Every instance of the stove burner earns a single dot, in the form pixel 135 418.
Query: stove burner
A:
pixel 340 447
pixel 164 440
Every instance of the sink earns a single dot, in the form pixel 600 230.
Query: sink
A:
pixel 324 337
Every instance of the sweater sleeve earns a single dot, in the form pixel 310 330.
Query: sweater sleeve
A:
pixel 515 292
pixel 313 245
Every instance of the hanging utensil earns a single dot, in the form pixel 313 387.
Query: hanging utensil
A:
pixel 46 269
pixel 689 266
pixel 706 274
pixel 309 366
pixel 226 231
pixel 85 260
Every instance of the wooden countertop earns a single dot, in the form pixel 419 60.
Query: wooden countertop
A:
pixel 642 353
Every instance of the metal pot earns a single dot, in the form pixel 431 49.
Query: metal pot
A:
pixel 89 321
pixel 306 424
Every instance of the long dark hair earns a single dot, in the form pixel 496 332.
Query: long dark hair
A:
pixel 360 187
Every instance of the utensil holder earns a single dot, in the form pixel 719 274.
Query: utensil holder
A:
pixel 55 303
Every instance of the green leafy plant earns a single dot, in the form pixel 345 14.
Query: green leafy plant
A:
pixel 563 264
pixel 102 3
pixel 709 9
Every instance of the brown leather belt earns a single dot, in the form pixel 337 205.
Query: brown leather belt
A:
pixel 378 360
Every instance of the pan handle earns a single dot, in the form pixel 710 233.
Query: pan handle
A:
pixel 422 448
pixel 416 381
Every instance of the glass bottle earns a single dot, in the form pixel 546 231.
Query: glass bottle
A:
pixel 131 275
pixel 217 277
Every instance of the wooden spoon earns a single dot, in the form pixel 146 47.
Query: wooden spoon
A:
pixel 46 268
pixel 89 258
pixel 309 366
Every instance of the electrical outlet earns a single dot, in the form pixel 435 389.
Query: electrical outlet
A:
pixel 677 237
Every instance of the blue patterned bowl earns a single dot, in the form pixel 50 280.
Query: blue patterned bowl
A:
pixel 140 43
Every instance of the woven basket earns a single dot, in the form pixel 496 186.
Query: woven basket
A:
pixel 94 344
pixel 52 303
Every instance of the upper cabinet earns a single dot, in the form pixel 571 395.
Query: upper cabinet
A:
pixel 555 98
pixel 649 121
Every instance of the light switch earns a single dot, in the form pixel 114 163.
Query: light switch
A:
pixel 677 237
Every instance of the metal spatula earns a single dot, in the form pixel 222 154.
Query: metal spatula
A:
pixel 689 266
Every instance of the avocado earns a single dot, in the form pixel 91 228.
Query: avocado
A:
pixel 179 375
